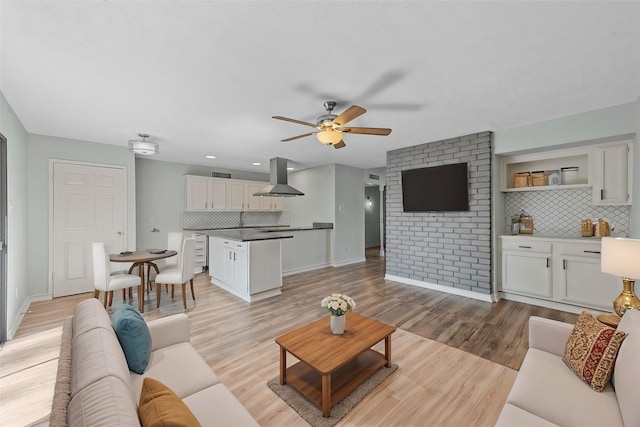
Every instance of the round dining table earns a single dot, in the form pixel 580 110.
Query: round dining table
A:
pixel 141 259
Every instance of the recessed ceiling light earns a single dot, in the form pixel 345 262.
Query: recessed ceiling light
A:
pixel 290 169
pixel 210 157
pixel 256 163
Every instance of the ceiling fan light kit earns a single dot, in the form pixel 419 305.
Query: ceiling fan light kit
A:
pixel 330 126
pixel 144 147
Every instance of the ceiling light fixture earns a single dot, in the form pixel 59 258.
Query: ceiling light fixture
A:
pixel 329 136
pixel 210 157
pixel 256 163
pixel 144 147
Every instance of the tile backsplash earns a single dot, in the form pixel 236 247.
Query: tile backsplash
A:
pixel 229 219
pixel 559 212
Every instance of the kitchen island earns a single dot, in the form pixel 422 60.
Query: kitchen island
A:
pixel 246 262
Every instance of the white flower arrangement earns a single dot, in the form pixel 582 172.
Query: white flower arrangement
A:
pixel 338 304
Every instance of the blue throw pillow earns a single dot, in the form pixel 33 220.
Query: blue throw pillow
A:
pixel 134 337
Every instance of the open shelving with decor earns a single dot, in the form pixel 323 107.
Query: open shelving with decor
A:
pixel 548 162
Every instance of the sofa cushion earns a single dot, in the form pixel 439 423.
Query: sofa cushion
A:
pixel 216 405
pixel 180 367
pixel 134 337
pixel 160 407
pixel 591 350
pixel 547 388
pixel 90 314
pixel 627 369
pixel 512 416
pixel 97 354
pixel 105 402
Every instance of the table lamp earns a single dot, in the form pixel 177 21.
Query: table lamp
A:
pixel 621 257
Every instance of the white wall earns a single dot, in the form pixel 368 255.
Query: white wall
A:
pixel 602 124
pixel 17 245
pixel 635 208
pixel 41 148
pixel 349 213
pixel 155 180
pixel 317 204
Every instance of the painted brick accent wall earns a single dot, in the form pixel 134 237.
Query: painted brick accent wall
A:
pixel 444 248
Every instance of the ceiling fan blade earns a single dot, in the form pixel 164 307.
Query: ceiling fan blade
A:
pixel 297 137
pixel 349 114
pixel 300 122
pixel 367 131
pixel 339 144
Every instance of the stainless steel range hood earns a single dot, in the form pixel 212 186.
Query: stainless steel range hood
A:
pixel 278 186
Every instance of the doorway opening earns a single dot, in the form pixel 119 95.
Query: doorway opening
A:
pixel 374 214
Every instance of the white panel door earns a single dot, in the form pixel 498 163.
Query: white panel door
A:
pixel 88 206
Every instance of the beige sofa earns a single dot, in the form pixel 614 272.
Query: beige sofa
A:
pixel 547 393
pixel 95 387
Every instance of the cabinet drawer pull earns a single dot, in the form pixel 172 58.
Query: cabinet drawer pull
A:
pixel 524 247
pixel 591 252
pixel 547 262
pixel 564 264
pixel 601 194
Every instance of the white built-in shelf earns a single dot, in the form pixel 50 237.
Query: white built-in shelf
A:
pixel 545 188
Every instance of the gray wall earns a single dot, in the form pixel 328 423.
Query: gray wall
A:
pixel 445 248
pixel 155 181
pixel 18 291
pixel 372 217
pixel 40 150
pixel 317 204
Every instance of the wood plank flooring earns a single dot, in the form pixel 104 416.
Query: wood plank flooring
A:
pixel 223 327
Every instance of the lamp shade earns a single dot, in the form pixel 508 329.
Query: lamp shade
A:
pixel 621 257
pixel 329 136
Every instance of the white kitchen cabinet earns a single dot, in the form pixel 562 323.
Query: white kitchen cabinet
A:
pixel 559 273
pixel 578 279
pixel 235 195
pixel 200 252
pixel 250 270
pixel 253 203
pixel 205 194
pixel 612 179
pixel 526 268
pixel 268 203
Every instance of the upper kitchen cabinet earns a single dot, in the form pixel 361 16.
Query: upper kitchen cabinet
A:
pixel 612 179
pixel 205 194
pixel 218 194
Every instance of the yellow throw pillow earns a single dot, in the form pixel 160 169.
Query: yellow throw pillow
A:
pixel 161 407
pixel 591 351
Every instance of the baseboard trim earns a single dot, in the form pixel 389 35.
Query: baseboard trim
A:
pixel 548 304
pixel 351 261
pixel 305 269
pixel 446 289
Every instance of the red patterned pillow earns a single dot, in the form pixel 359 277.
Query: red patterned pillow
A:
pixel 591 351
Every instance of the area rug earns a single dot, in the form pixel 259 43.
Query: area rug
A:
pixel 312 414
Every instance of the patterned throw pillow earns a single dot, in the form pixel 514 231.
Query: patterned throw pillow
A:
pixel 591 351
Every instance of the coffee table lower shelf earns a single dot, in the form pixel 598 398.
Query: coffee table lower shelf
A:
pixel 343 380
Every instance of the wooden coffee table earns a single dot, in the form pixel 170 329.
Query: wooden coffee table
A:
pixel 332 366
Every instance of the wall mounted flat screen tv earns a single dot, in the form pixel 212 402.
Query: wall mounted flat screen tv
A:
pixel 436 189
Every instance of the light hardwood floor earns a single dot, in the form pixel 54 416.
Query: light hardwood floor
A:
pixel 224 328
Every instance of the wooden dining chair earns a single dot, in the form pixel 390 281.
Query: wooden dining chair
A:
pixel 103 281
pixel 180 275
pixel 174 243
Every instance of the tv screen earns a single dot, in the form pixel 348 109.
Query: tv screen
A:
pixel 436 189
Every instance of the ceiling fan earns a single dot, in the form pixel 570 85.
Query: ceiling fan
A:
pixel 331 127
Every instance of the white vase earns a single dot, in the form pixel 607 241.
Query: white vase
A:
pixel 337 324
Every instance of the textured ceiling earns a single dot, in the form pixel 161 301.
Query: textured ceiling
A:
pixel 204 78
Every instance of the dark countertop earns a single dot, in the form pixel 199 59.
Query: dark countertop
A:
pixel 264 229
pixel 245 235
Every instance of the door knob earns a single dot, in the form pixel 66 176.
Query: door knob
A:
pixel 119 233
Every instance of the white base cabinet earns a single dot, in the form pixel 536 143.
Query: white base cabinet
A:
pixel 250 270
pixel 557 273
